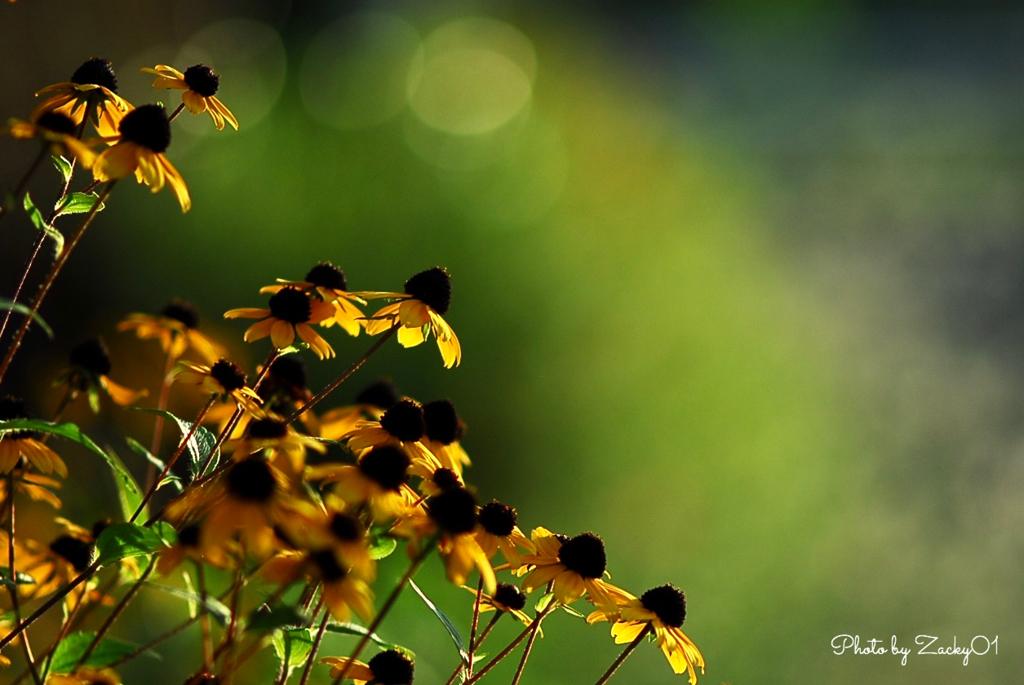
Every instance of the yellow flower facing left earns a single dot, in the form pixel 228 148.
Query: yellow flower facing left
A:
pixel 200 84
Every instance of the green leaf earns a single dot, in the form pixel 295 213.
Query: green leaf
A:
pixel 200 445
pixel 381 546
pixel 22 309
pixel 36 217
pixel 544 602
pixel 79 203
pixel 128 491
pixel 572 612
pixel 264 619
pixel 22 579
pixel 213 606
pixel 448 625
pixel 355 629
pixel 124 540
pixel 292 646
pixel 75 434
pixel 108 651
pixel 63 166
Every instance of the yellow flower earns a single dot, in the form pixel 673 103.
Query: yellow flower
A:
pixel 391 667
pixel 200 84
pixel 426 299
pixel 36 487
pixel 285 446
pixel 371 403
pixel 574 566
pixel 89 373
pixel 290 313
pixel 191 544
pixel 86 676
pixel 56 130
pixel 379 479
pixel 92 93
pixel 145 133
pixel 21 443
pixel 327 282
pixel 335 531
pixel 663 609
pixel 224 379
pixel 507 598
pixel 498 531
pixel 402 426
pixel 176 329
pixel 444 431
pixel 342 591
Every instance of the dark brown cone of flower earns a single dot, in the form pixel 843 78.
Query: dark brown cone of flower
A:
pixel 147 126
pixel 667 602
pixel 267 429
pixel 291 305
pixel 443 422
pixel 14 408
pixel 346 528
pixel 405 421
pixel 92 356
pixel 497 518
pixel 453 511
pixel 228 374
pixel 56 122
pixel 96 71
pixel 201 79
pixel 445 479
pixel 387 466
pixel 326 275
pixel 584 554
pixel 328 565
pixel 183 312
pixel 382 395
pixel 391 668
pixel 76 552
pixel 251 480
pixel 189 535
pixel 288 373
pixel 433 288
pixel 510 596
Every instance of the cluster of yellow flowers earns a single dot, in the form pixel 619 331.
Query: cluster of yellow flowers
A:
pixel 308 501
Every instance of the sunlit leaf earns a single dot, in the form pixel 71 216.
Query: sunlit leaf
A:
pixel 293 646
pixel 213 606
pixel 200 445
pixel 63 166
pixel 124 540
pixel 22 578
pixel 36 217
pixel 19 308
pixel 448 625
pixel 382 547
pixel 345 628
pixel 110 650
pixel 79 203
pixel 264 619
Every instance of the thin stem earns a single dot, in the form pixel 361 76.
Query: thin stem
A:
pixel 36 247
pixel 174 457
pixel 316 648
pixel 473 646
pixel 51 277
pixel 343 377
pixel 204 617
pixel 622 657
pixel 176 112
pixel 474 626
pixel 379 618
pixel 23 185
pixel 529 647
pixel 15 605
pixel 49 603
pixel 530 630
pixel 158 425
pixel 228 646
pixel 114 615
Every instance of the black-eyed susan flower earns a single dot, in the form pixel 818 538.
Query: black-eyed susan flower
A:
pixel 291 313
pixel 16 444
pixel 86 675
pixel 55 130
pixel 371 402
pixel 36 487
pixel 176 327
pixel 386 668
pixel 89 372
pixel 284 447
pixel 53 566
pixel 144 136
pixel 575 566
pixel 327 283
pixel 338 531
pixel 191 545
pixel 423 305
pixel 507 598
pixel 224 380
pixel 402 425
pixel 343 592
pixel 379 479
pixel 663 610
pixel 90 93
pixel 436 479
pixel 200 84
pixel 444 433
pixel 498 531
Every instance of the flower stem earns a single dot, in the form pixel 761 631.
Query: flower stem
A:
pixel 158 425
pixel 114 615
pixel 474 645
pixel 58 264
pixel 15 605
pixel 343 377
pixel 529 647
pixel 176 112
pixel 474 626
pixel 622 657
pixel 316 648
pixel 49 603
pixel 530 630
pixel 379 618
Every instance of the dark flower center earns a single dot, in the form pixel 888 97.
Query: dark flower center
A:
pixel 443 424
pixel 291 305
pixel 228 374
pixel 183 312
pixel 387 466
pixel 56 122
pixel 93 356
pixel 100 526
pixel 391 668
pixel 497 518
pixel 326 275
pixel 97 72
pixel 147 126
pixel 453 511
pixel 510 596
pixel 346 528
pixel 667 602
pixel 446 479
pixel 289 371
pixel 76 552
pixel 267 429
pixel 584 555
pixel 330 569
pixel 281 534
pixel 382 394
pixel 201 79
pixel 189 536
pixel 433 288
pixel 251 480
pixel 14 408
pixel 405 421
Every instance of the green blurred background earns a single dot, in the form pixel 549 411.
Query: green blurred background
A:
pixel 740 290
